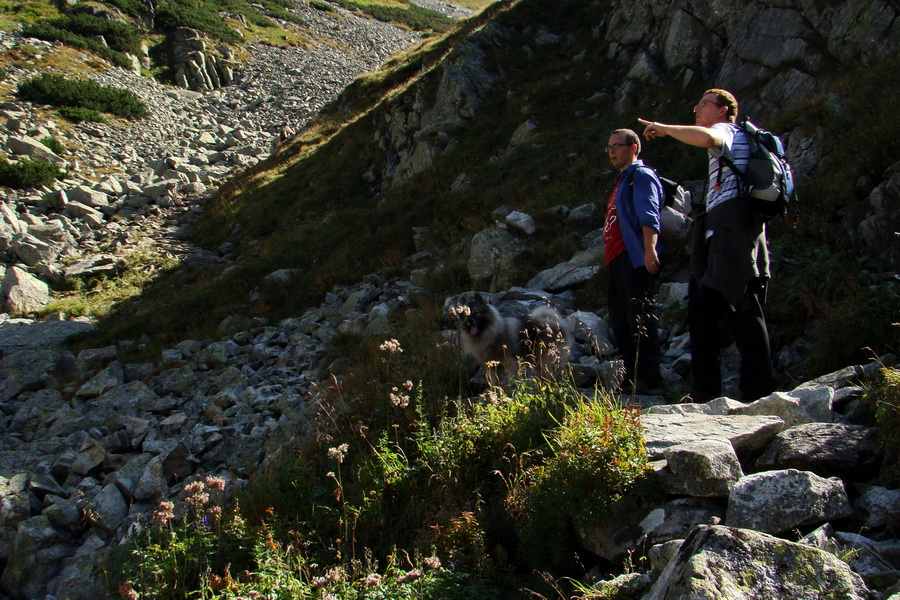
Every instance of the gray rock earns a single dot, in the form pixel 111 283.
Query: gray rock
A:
pixel 91 217
pixel 613 536
pixel 34 558
pixel 560 278
pixel 33 251
pixel 27 370
pixel 32 148
pixel 90 457
pixel 65 514
pixel 88 197
pixel 492 258
pixel 777 501
pixel 91 359
pixel 827 449
pixel 708 468
pixel 878 507
pixel 520 223
pixel 110 508
pixel 745 433
pixel 725 563
pixel 21 292
pixel 111 377
pixel 152 484
pixel 100 265
pixel 591 330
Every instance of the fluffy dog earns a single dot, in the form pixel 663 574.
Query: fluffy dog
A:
pixel 539 341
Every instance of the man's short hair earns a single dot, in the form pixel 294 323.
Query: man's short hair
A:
pixel 726 99
pixel 631 137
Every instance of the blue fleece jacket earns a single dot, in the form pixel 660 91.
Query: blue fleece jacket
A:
pixel 638 201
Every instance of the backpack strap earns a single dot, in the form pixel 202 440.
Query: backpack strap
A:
pixel 742 189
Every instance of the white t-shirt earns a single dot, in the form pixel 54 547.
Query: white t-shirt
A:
pixel 737 148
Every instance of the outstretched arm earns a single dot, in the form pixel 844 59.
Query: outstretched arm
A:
pixel 694 135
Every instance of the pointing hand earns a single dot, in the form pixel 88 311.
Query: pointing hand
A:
pixel 652 130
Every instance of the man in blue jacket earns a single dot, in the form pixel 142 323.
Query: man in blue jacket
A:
pixel 631 237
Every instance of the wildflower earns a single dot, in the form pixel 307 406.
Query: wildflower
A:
pixel 335 574
pixel 193 488
pixel 319 582
pixel 411 576
pixel 165 512
pixel 214 511
pixel 197 500
pixel 338 453
pixel 408 385
pixel 432 562
pixel 127 591
pixel 490 396
pixel 215 483
pixel 392 347
pixel 372 579
pixel 458 311
pixel 397 399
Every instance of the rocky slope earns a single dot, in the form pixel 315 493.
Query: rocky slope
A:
pixel 151 178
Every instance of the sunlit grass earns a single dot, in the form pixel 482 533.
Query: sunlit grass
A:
pixel 96 297
pixel 14 12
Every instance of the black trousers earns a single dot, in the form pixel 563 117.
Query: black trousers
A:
pixel 706 308
pixel 634 323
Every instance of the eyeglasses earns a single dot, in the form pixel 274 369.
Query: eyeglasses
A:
pixel 612 147
pixel 705 101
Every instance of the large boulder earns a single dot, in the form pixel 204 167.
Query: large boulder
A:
pixel 493 258
pixel 28 146
pixel 745 433
pixel 22 292
pixel 708 468
pixel 725 563
pixel 828 449
pixel 777 501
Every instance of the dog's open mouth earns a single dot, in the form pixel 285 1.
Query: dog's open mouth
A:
pixel 474 329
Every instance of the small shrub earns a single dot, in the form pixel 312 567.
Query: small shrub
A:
pixel 119 36
pixel 172 16
pixel 28 173
pixel 323 6
pixel 57 90
pixel 55 32
pixel 597 465
pixel 77 115
pixel 132 8
pixel 54 144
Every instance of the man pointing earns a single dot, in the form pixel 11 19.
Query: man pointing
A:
pixel 729 254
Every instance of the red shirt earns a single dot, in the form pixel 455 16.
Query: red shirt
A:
pixel 612 233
